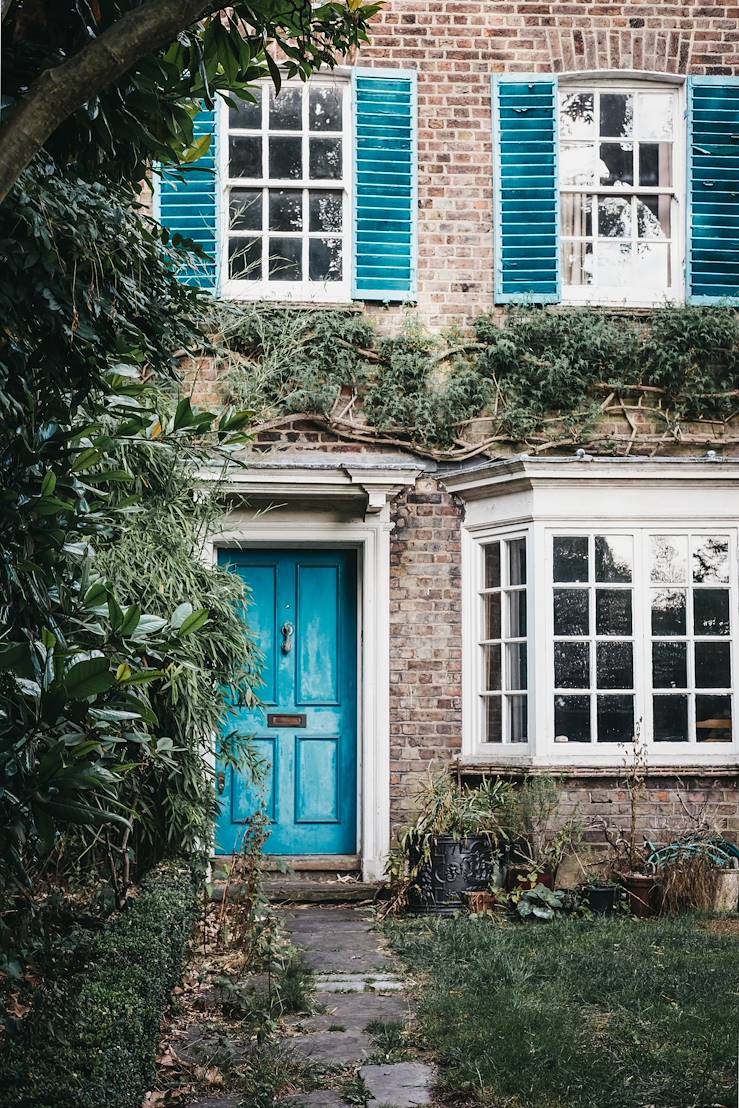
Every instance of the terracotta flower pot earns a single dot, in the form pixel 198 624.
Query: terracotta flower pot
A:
pixel 644 893
pixel 481 901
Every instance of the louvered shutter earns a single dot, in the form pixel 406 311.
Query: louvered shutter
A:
pixel 385 185
pixel 712 256
pixel 187 205
pixel 526 202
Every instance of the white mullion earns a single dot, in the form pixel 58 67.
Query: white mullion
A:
pixel 504 581
pixel 690 648
pixel 593 648
pixel 641 627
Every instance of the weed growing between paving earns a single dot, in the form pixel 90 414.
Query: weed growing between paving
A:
pixel 577 1013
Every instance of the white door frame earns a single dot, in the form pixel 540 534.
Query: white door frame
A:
pixel 314 523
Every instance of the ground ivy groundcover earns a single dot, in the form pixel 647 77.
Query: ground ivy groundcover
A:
pixel 577 1013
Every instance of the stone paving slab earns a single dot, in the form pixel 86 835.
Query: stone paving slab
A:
pixel 219 1102
pixel 401 1085
pixel 319 1098
pixel 333 1048
pixel 343 1010
pixel 358 983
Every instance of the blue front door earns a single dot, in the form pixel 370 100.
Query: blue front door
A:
pixel 303 611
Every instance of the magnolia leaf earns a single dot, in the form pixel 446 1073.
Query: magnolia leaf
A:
pixel 88 678
pixel 195 621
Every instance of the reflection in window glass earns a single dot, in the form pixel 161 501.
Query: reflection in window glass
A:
pixel 614 143
pixel 286 193
pixel 503 646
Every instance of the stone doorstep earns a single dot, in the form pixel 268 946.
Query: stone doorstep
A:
pixel 306 891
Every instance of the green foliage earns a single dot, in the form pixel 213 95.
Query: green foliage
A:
pixel 282 360
pixel 540 902
pixel 147 114
pixel 536 367
pixel 92 1037
pixel 577 1013
pixel 90 305
pixel 539 831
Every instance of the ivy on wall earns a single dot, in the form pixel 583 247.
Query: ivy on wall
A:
pixel 538 377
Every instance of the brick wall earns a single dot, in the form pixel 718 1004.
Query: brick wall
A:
pixel 456 45
pixel 425 639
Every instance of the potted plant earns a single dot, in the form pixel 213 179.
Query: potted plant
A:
pixel 599 892
pixel 539 834
pixel 452 848
pixel 636 873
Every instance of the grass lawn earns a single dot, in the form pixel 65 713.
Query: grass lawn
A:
pixel 578 1014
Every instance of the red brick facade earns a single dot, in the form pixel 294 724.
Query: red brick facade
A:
pixel 456 45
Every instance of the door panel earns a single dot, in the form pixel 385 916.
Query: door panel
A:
pixel 303 610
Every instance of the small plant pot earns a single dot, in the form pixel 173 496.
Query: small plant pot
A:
pixel 600 899
pixel 483 901
pixel 726 896
pixel 644 893
pixel 456 866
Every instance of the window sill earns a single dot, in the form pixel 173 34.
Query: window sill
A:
pixel 522 767
pixel 349 306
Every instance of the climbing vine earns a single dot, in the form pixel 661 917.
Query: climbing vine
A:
pixel 537 377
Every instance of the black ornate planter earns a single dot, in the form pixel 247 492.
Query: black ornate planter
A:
pixel 456 866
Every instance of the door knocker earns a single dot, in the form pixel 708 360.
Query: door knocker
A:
pixel 287 637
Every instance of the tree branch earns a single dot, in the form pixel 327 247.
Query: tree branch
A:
pixel 62 90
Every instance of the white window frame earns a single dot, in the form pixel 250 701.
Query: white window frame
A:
pixel 305 291
pixel 505 640
pixel 610 296
pixel 539 530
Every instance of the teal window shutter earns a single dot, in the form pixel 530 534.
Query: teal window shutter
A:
pixel 712 254
pixel 385 184
pixel 525 188
pixel 187 205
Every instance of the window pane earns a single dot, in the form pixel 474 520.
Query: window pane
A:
pixel 245 209
pixel 615 716
pixel 572 718
pixel 712 665
pixel 492 565
pixel 711 559
pixel 571 665
pixel 711 611
pixel 286 210
pixel 491 665
pixel 669 558
pixel 576 164
pixel 285 109
pixel 571 612
pixel 713 719
pixel 615 263
pixel 493 719
pixel 325 259
pixel 245 259
pixel 670 719
pixel 669 665
pixel 247 116
pixel 518 723
pixel 326 210
pixel 286 158
pixel 325 158
pixel 285 259
pixel 654 115
pixel 653 217
pixel 570 558
pixel 652 268
pixel 614 558
pixel 491 614
pixel 616 114
pixel 614 217
pixel 245 156
pixel 615 665
pixel 516 628
pixel 325 109
pixel 616 166
pixel 577 261
pixel 613 611
pixel 668 612
pixel 576 215
pixel 517 562
pixel 576 115
pixel 516 666
pixel 655 164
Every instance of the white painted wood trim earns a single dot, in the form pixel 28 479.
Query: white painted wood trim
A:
pixel 371 538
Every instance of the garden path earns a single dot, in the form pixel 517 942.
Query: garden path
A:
pixel 363 1012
